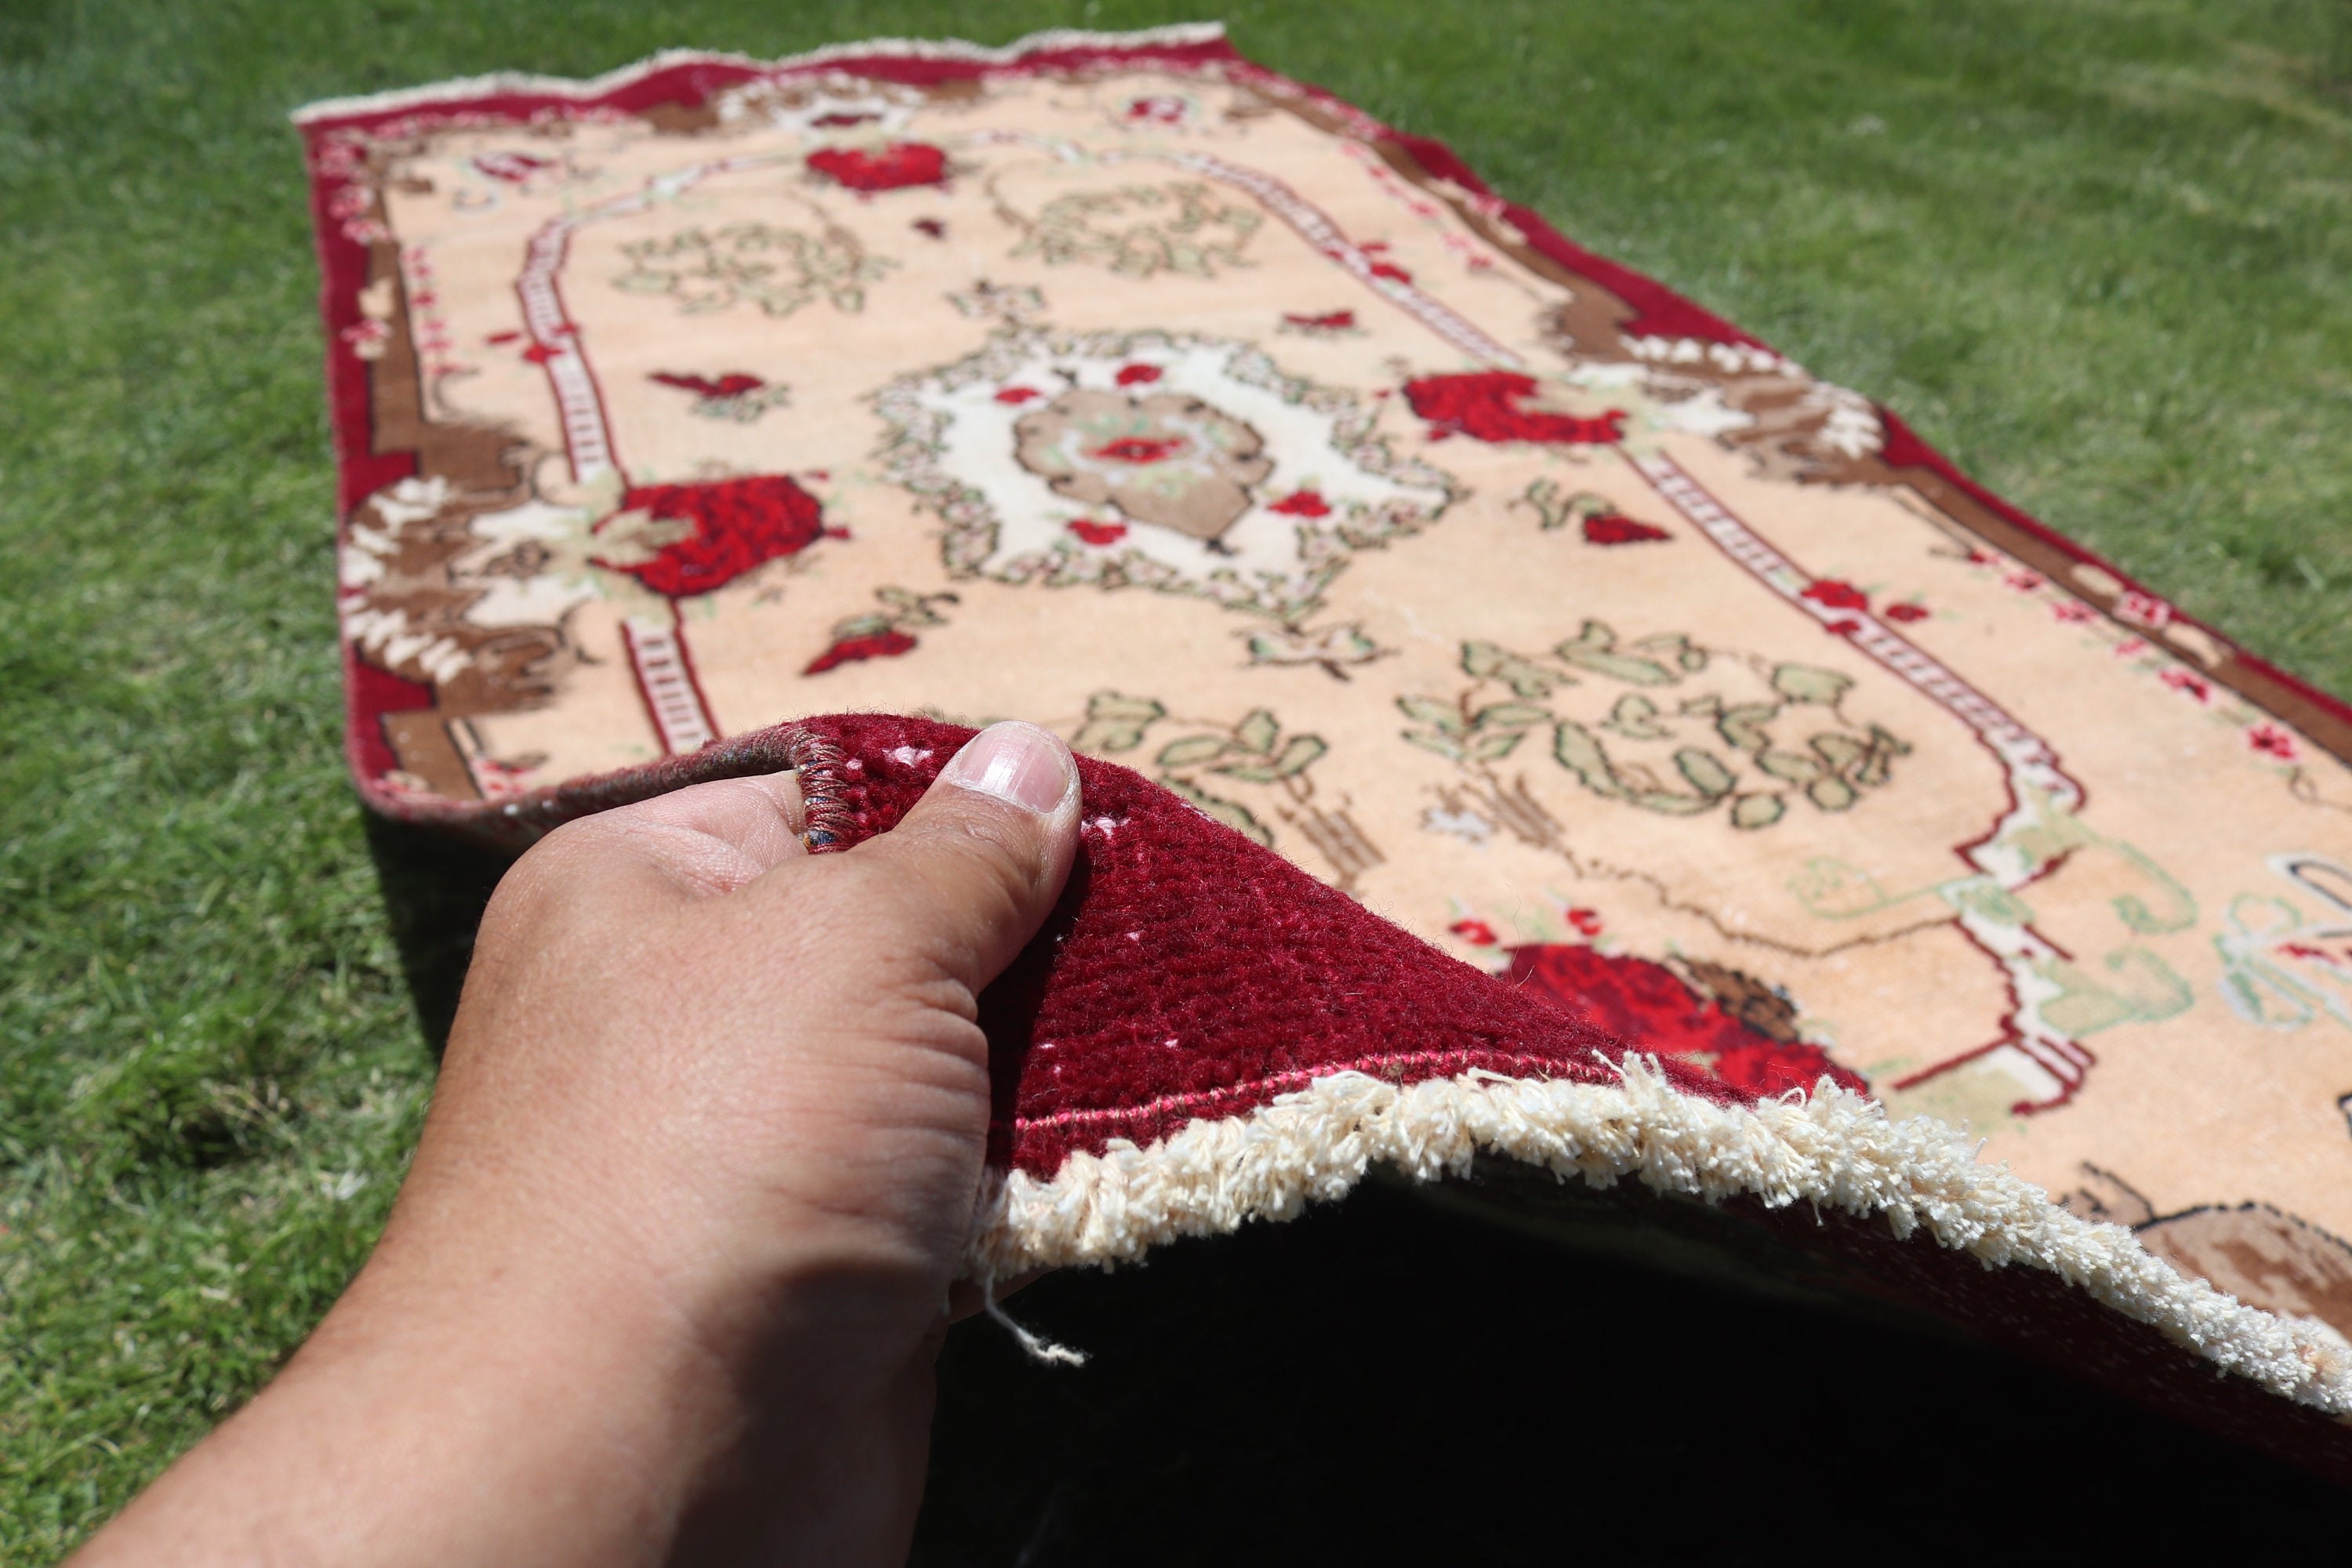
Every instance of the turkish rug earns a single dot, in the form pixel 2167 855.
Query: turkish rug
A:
pixel 1551 724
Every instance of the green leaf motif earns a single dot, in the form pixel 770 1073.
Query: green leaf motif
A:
pixel 1527 680
pixel 1794 766
pixel 1496 744
pixel 1635 717
pixel 1754 811
pixel 1838 750
pixel 1667 802
pixel 1192 751
pixel 1445 716
pixel 1509 716
pixel 1256 731
pixel 1830 793
pixel 1595 648
pixel 1116 722
pixel 1579 751
pixel 1674 645
pixel 1298 755
pixel 1804 683
pixel 1444 746
pixel 1884 749
pixel 1742 726
pixel 1705 771
pixel 1232 814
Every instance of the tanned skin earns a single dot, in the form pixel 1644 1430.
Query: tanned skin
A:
pixel 667 1279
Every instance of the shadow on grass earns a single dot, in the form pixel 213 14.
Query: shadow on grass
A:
pixel 434 889
pixel 1388 1380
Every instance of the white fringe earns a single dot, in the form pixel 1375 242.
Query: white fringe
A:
pixel 1835 1150
pixel 449 93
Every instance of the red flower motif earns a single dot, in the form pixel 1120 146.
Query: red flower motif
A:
pixel 1647 1007
pixel 2191 685
pixel 1392 271
pixel 1328 322
pixel 2140 609
pixel 730 385
pixel 840 119
pixel 849 650
pixel 1302 503
pixel 1484 403
pixel 1099 533
pixel 514 168
pixel 2272 741
pixel 1767 1067
pixel 896 167
pixel 2023 581
pixel 1477 933
pixel 1141 450
pixel 2072 612
pixel 1907 612
pixel 1158 108
pixel 1136 374
pixel 1610 528
pixel 738 524
pixel 1585 922
pixel 540 353
pixel 1016 395
pixel 501 339
pixel 1833 594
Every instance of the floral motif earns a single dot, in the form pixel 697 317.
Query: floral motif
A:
pixel 889 168
pixel 1486 404
pixel 880 634
pixel 1203 465
pixel 736 395
pixel 2272 741
pixel 1322 324
pixel 1254 753
pixel 1831 593
pixel 780 269
pixel 1167 459
pixel 1660 759
pixel 1182 226
pixel 1653 1009
pixel 715 532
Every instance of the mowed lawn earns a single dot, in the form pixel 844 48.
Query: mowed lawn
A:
pixel 2096 249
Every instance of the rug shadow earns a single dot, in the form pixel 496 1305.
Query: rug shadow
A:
pixel 436 886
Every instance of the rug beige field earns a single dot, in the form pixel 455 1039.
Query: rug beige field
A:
pixel 1123 385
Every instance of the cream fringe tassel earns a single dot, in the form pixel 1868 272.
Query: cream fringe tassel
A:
pixel 448 94
pixel 1835 1150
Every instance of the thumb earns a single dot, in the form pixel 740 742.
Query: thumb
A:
pixel 980 860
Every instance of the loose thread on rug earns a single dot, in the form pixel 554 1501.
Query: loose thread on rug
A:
pixel 1038 1346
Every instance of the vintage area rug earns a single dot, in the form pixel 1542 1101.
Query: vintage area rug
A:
pixel 1474 593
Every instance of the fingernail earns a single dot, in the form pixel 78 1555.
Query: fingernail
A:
pixel 1017 762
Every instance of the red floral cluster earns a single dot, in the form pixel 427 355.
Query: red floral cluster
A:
pixel 1302 503
pixel 730 385
pixel 849 650
pixel 1645 1004
pixel 1099 533
pixel 1485 405
pixel 1141 450
pixel 899 165
pixel 738 524
pixel 1612 528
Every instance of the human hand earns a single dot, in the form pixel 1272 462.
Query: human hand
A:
pixel 667 1276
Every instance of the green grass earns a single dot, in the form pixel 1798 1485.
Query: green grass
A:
pixel 2096 250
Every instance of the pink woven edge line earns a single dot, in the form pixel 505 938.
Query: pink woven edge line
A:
pixel 1466 1058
